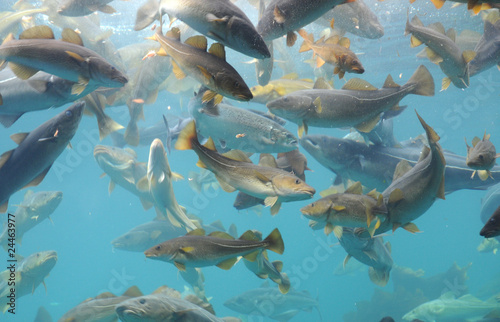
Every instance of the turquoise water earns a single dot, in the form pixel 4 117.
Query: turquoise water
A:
pixel 88 218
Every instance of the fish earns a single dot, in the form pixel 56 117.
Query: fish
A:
pixel 374 165
pixel 354 17
pixel 449 308
pixel 488 48
pixel 122 167
pixel 277 88
pixel 43 315
pixel 285 306
pixel 348 209
pixel 42 91
pixel 263 268
pixel 237 172
pixel 29 274
pixel 334 51
pixel 166 306
pixel 99 308
pixel 194 276
pixel 283 17
pixel 369 251
pixel 28 164
pixel 147 235
pixel 481 156
pixel 202 181
pixel 358 104
pixel 492 226
pixel 441 50
pixel 219 249
pixel 35 208
pixel 475 5
pixel 76 8
pixel 96 104
pixel 209 68
pixel 11 20
pixel 223 123
pixel 414 190
pixel 219 20
pixel 159 183
pixel 38 50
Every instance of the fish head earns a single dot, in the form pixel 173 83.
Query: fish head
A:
pixel 429 311
pixel 113 158
pixel 241 304
pixel 350 63
pixel 290 187
pixel 318 210
pixel 492 226
pixel 131 241
pixel 45 202
pixel 167 252
pixel 230 84
pixel 143 308
pixel 105 73
pixel 63 127
pixel 263 94
pixel 284 137
pixel 38 265
pixel 243 36
pixel 158 166
pixel 481 156
pixel 292 106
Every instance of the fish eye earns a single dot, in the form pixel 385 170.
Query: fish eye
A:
pixel 285 99
pixel 355 62
pixel 68 113
pixel 158 247
pixel 312 205
pixel 142 301
pixel 481 157
pixel 297 181
pixel 237 84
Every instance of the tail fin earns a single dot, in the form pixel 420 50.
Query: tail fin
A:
pixel 423 80
pixel 147 13
pixel 169 135
pixel 186 137
pixel 379 277
pixel 308 39
pixel 275 242
pixel 132 133
pixel 432 136
pixel 284 285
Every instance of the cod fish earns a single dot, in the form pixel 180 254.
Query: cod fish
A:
pixel 492 226
pixel 235 171
pixel 209 68
pixel 358 104
pixel 147 235
pixel 28 164
pixel 35 208
pixel 488 48
pixel 348 209
pixel 159 182
pixel 237 128
pixel 31 272
pixel 99 308
pixel 219 248
pixel 334 51
pixel 413 192
pixel 277 88
pixel 263 268
pixel 284 306
pixel 442 50
pixel 76 8
pixel 354 17
pixel 166 305
pixel 283 17
pixel 482 156
pixel 218 19
pixel 38 50
pixel 369 251
pixel 475 5
pixel 449 308
pixel 95 103
pixel 122 167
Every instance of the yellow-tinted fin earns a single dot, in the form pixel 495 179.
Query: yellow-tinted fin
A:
pixel 338 231
pixel 475 141
pixel 132 291
pixel 270 201
pixel 146 204
pixel 291 76
pixel 359 85
pixel 483 174
pixel 37 32
pixel 252 257
pixel 155 234
pixel 302 129
pixel 275 208
pixel 187 249
pixel 441 191
pixel 415 42
pixel 69 35
pixel 345 42
pixel 227 264
pixel 433 56
pixel 75 56
pixel 356 188
pixel 274 242
pixel 217 49
pixel 332 40
pixel 174 33
pixel 411 227
pixel 468 55
pixel 368 126
pixel 4 157
pixel 224 185
pixel 401 169
pixel 262 178
pixel 237 155
pixel 180 266
pixel 396 195
pixel 319 62
pixel 328 228
pixel 221 234
pixel 346 260
pixel 378 277
pixel 389 83
pixel 111 186
pixel 445 83
pixel 142 184
pixel 208 96
pixel 106 9
pixel 19 137
pixel 321 83
pixel 21 71
pixel 178 73
pixel 431 134
pixel 4 206
pixel 338 207
pixel 291 38
pixel 196 232
pixel 198 41
pixel 249 235
pixel 317 105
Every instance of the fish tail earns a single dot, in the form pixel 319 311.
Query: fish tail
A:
pixel 423 80
pixel 432 136
pixel 132 133
pixel 147 14
pixel 284 284
pixel 308 38
pixel 186 137
pixel 275 242
pixel 379 277
pixel 107 126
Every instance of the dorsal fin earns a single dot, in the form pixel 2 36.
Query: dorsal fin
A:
pixel 425 152
pixel 105 295
pixel 359 84
pixel 218 50
pixel 196 232
pixel 475 141
pixel 37 32
pixel 19 137
pixel 401 169
pixel 237 155
pixel 321 83
pixel 452 34
pixel 174 33
pixel 210 144
pixel 69 35
pixel 345 42
pixel 198 41
pixel 221 234
pixel 290 76
pixel 267 160
pixel 332 40
pixel 356 188
pixel 416 21
pixel 437 26
pixel 389 83
pixel 486 137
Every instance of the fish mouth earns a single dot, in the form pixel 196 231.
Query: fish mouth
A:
pixel 489 234
pixel 358 70
pixel 308 142
pixel 244 97
pixel 120 79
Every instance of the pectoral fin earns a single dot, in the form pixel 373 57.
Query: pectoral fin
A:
pixel 228 263
pixel 180 266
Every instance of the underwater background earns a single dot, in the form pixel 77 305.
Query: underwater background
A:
pixel 88 218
